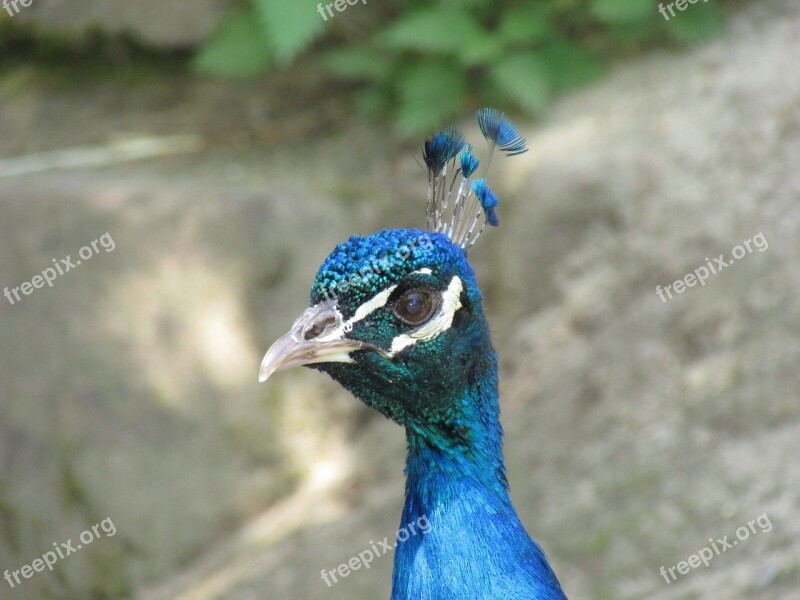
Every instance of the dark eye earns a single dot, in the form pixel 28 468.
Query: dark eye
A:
pixel 415 306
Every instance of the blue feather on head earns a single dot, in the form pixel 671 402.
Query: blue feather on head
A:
pixel 469 162
pixel 441 147
pixel 488 200
pixel 460 219
pixel 497 128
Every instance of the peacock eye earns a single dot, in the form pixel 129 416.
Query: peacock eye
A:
pixel 415 306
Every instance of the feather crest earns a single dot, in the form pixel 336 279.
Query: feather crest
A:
pixel 451 163
pixel 497 128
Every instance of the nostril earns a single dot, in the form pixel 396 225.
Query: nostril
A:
pixel 319 327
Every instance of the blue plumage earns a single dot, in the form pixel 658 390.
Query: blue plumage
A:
pixel 469 162
pixel 460 218
pixel 441 147
pixel 496 128
pixel 397 319
pixel 488 200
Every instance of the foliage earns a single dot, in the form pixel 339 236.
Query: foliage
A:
pixel 421 62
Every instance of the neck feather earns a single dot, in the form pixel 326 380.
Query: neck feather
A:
pixel 467 447
pixel 474 545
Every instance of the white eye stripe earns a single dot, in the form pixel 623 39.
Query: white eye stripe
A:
pixel 441 321
pixel 379 300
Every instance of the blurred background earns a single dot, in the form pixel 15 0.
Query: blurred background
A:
pixel 227 146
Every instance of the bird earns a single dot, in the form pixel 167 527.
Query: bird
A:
pixel 397 319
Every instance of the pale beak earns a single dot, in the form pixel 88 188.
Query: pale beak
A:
pixel 316 337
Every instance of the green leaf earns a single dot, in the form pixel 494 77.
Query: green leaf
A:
pixel 696 23
pixel 372 102
pixel 627 33
pixel 470 4
pixel 482 50
pixel 430 93
pixel 441 30
pixel 525 24
pixel 569 65
pixel 524 79
pixel 357 63
pixel 617 11
pixel 236 49
pixel 290 25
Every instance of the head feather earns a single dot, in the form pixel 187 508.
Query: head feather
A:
pixel 451 163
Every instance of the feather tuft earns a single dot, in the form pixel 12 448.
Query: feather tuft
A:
pixel 458 206
pixel 488 200
pixel 498 129
pixel 469 162
pixel 441 147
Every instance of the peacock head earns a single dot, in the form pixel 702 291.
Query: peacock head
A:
pixel 396 317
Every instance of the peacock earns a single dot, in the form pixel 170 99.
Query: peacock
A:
pixel 397 319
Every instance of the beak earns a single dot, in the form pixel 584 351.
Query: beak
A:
pixel 316 337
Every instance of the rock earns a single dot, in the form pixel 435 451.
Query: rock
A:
pixel 165 24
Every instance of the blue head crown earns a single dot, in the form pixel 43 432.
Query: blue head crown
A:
pixel 450 159
pixel 361 267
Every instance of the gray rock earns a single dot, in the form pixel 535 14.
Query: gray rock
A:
pixel 158 23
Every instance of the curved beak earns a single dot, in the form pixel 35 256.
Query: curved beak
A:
pixel 318 336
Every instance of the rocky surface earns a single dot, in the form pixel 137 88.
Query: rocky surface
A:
pixel 167 24
pixel 636 429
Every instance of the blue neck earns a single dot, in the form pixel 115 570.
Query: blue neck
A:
pixel 473 544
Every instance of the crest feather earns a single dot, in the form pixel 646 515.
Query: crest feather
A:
pixel 450 161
